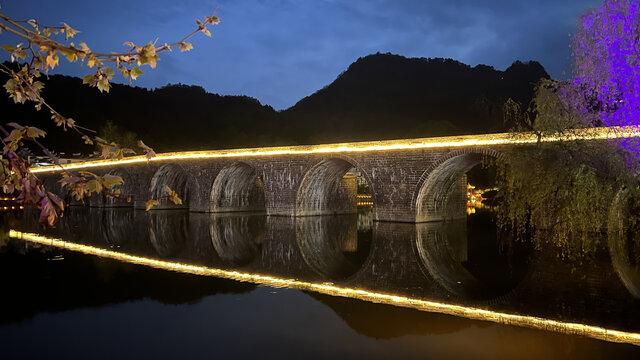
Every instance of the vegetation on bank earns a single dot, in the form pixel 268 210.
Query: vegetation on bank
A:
pixel 565 192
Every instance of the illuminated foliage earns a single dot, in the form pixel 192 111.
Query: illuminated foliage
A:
pixel 40 51
pixel 562 192
pixel 606 52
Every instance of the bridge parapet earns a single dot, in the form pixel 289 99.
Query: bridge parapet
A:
pixel 413 180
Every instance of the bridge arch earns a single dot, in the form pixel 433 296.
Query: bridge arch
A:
pixel 238 187
pixel 175 177
pixel 432 196
pixel 126 192
pixel 331 187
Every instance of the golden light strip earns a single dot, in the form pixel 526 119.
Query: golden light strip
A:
pixel 328 289
pixel 384 145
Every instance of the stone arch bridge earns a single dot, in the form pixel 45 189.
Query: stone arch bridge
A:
pixel 416 180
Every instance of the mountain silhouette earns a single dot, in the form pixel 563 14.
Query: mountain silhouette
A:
pixel 380 96
pixel 386 96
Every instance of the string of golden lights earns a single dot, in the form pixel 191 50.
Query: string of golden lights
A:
pixel 361 294
pixel 383 145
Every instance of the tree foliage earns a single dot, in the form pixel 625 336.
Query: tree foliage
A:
pixel 563 192
pixel 39 52
pixel 606 53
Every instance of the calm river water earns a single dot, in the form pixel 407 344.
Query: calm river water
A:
pixel 131 290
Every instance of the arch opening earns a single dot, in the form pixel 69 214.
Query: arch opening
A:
pixel 237 188
pixel 334 186
pixel 443 195
pixel 119 195
pixel 174 177
pixel 458 240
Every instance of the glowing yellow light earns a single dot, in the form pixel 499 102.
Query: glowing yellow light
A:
pixel 329 289
pixel 384 145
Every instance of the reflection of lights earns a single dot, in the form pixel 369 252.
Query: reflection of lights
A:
pixel 439 142
pixel 363 196
pixel 325 288
pixel 474 199
pixel 365 203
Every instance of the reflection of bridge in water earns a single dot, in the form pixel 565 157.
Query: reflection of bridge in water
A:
pixel 434 261
pixel 321 236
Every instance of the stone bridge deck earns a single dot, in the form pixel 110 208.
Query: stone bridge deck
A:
pixel 415 180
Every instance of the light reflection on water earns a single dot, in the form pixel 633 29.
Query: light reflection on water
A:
pixel 448 262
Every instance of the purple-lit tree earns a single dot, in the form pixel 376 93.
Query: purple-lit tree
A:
pixel 563 192
pixel 606 53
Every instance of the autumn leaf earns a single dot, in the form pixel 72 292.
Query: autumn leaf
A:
pixel 69 31
pixel 79 190
pixel 56 200
pixel 9 48
pixel 149 153
pixel 69 54
pixel 15 125
pixel 68 179
pixel 103 85
pixel 62 121
pixel 88 79
pixel 109 181
pixel 151 203
pixel 52 60
pixel 135 72
pixel 148 55
pixel 92 61
pixel 34 132
pixel 94 186
pixel 48 213
pixel 173 196
pixel 185 46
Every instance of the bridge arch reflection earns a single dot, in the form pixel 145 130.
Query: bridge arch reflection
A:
pixel 334 246
pixel 623 241
pixel 168 232
pixel 237 238
pixel 480 264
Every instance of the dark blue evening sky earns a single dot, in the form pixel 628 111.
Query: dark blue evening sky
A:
pixel 279 51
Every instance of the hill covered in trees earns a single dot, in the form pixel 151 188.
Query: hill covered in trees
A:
pixel 381 96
